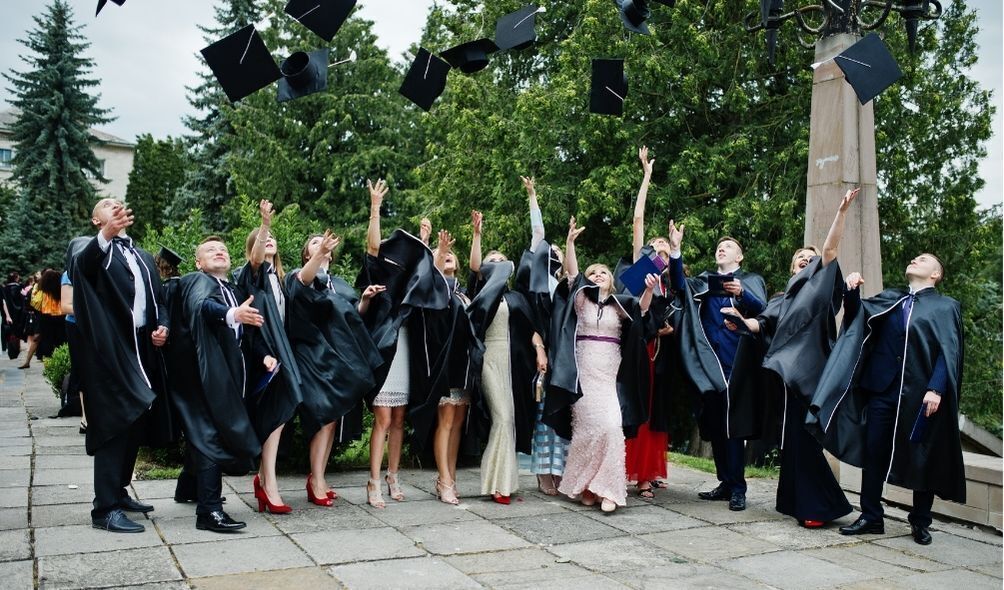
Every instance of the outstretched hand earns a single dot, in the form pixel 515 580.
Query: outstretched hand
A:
pixel 646 164
pixel 573 232
pixel 377 191
pixel 248 315
pixel 121 219
pixel 446 240
pixel 675 236
pixel 530 185
pixel 372 291
pixel 425 230
pixel 854 280
pixel 476 220
pixel 328 242
pixel 845 202
pixel 266 210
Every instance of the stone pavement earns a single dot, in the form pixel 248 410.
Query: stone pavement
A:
pixel 46 540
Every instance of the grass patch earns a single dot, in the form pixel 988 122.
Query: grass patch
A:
pixel 708 466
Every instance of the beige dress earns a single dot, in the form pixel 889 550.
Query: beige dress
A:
pixel 499 467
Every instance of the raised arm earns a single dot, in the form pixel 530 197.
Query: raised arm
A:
pixel 832 243
pixel 445 243
pixel 651 282
pixel 377 192
pixel 536 219
pixel 476 219
pixel 258 250
pixel 309 270
pixel 638 223
pixel 677 279
pixel 571 263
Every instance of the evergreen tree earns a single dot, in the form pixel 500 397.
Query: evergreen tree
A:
pixel 207 182
pixel 53 157
pixel 158 172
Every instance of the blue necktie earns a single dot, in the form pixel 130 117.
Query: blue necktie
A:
pixel 907 306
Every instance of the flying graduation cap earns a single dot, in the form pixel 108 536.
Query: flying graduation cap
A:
pixel 608 87
pixel 323 17
pixel 470 57
pixel 868 67
pixel 518 30
pixel 302 74
pixel 425 80
pixel 241 63
pixel 633 14
pixel 101 4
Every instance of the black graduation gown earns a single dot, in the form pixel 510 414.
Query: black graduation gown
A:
pixel 489 293
pixel 208 378
pixel 744 417
pixel 119 391
pixel 838 409
pixel 533 277
pixel 563 377
pixel 334 350
pixel 277 403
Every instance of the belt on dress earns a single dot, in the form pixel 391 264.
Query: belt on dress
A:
pixel 611 339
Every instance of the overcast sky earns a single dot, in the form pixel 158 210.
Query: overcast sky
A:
pixel 145 54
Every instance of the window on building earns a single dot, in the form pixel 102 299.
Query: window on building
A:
pixel 6 158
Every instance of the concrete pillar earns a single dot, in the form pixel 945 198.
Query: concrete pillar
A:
pixel 842 156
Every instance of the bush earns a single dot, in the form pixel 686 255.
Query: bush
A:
pixel 56 368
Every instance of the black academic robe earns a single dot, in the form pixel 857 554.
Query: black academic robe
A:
pixel 744 417
pixel 838 408
pixel 119 390
pixel 489 292
pixel 208 378
pixel 533 279
pixel 563 377
pixel 277 403
pixel 334 350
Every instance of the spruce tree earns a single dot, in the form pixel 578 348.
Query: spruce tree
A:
pixel 158 172
pixel 207 180
pixel 52 142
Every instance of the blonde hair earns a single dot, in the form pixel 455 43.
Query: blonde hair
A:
pixel 810 248
pixel 604 291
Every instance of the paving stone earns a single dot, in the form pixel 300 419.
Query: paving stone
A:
pixel 528 506
pixel 182 530
pixel 50 477
pixel 513 561
pixel 85 538
pixel 566 527
pixel 677 575
pixel 463 537
pixel 17 575
pixel 15 450
pixel 399 514
pixel 59 441
pixel 787 534
pixel 62 494
pixel 955 578
pixel 114 568
pixel 167 508
pixel 155 488
pixel 417 573
pixel 51 515
pixel 990 569
pixel 947 549
pixel 719 513
pixel 357 494
pixel 346 546
pixel 13 518
pixel 777 569
pixel 611 555
pixel 646 519
pixel 181 585
pixel 14 545
pixel 74 450
pixel 14 478
pixel 316 519
pixel 845 557
pixel 709 544
pixel 15 462
pixel 14 498
pixel 233 554
pixel 311 578
pixel 46 462
pixel 590 581
pixel 895 557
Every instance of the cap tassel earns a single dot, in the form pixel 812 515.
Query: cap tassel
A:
pixel 614 93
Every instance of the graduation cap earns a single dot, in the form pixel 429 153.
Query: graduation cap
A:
pixel 517 30
pixel 101 4
pixel 169 256
pixel 425 80
pixel 302 74
pixel 241 63
pixel 608 87
pixel 868 67
pixel 470 57
pixel 633 14
pixel 323 17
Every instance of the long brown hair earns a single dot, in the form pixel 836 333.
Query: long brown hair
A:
pixel 277 260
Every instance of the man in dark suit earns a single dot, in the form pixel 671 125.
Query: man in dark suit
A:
pixel 709 351
pixel 887 400
pixel 116 300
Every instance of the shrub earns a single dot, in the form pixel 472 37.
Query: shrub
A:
pixel 56 368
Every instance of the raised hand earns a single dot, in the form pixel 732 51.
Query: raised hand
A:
pixel 854 280
pixel 845 202
pixel 266 210
pixel 248 315
pixel 372 291
pixel 377 192
pixel 121 219
pixel 476 220
pixel 328 242
pixel 446 240
pixel 675 236
pixel 573 232
pixel 651 281
pixel 646 164
pixel 530 185
pixel 425 230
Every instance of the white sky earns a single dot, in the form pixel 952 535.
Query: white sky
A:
pixel 145 53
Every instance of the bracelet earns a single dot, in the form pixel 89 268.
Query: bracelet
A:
pixel 540 346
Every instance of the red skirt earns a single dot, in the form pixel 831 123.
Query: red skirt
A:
pixel 646 453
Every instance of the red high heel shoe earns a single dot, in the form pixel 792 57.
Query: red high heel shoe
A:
pixel 264 504
pixel 813 524
pixel 501 499
pixel 322 501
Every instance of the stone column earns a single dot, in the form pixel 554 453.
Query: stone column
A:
pixel 842 156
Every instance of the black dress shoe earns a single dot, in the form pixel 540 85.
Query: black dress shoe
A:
pixel 130 505
pixel 737 502
pixel 863 526
pixel 183 499
pixel 719 493
pixel 218 522
pixel 921 535
pixel 117 522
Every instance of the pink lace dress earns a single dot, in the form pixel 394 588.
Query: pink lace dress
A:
pixel 596 453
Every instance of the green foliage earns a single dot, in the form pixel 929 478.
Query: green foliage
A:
pixel 52 142
pixel 157 175
pixel 56 368
pixel 708 466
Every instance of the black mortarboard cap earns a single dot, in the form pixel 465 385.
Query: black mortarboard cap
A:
pixel 302 74
pixel 425 80
pixel 517 30
pixel 608 88
pixel 241 63
pixel 470 57
pixel 323 17
pixel 169 256
pixel 101 4
pixel 868 67
pixel 634 13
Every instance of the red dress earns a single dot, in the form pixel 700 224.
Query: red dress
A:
pixel 646 453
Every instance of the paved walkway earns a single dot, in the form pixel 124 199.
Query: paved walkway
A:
pixel 46 540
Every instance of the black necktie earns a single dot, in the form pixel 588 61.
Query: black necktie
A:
pixel 231 299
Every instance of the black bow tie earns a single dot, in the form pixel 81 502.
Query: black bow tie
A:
pixel 125 242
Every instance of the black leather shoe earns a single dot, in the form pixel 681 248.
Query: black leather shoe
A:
pixel 862 526
pixel 182 499
pixel 921 535
pixel 130 505
pixel 737 502
pixel 218 522
pixel 117 522
pixel 719 493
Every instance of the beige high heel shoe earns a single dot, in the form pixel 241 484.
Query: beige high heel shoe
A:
pixel 393 487
pixel 373 496
pixel 447 493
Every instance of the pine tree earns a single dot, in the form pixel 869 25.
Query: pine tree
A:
pixel 207 181
pixel 158 172
pixel 53 156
